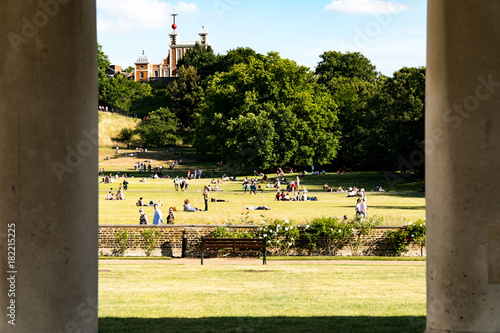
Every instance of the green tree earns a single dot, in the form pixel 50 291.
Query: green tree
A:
pixel 102 62
pixel 202 58
pixel 159 129
pixel 399 106
pixel 125 135
pixel 266 113
pixel 240 55
pixel 159 98
pixel 352 80
pixel 119 92
pixel 186 94
pixel 335 64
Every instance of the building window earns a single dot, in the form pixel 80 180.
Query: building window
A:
pixel 156 73
pixel 142 75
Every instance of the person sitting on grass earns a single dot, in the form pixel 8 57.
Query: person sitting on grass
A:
pixel 140 202
pixel 119 195
pixel 110 196
pixel 258 207
pixel 189 208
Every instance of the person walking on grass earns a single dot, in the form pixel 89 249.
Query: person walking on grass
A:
pixel 205 197
pixel 157 218
pixel 176 183
pixel 360 210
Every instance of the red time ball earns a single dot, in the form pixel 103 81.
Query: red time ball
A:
pixel 174 26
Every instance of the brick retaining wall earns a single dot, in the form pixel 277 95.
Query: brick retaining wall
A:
pixel 171 241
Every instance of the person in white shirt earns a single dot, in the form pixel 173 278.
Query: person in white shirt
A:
pixel 364 208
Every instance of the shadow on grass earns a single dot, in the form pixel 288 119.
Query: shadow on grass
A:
pixel 355 324
pixel 399 207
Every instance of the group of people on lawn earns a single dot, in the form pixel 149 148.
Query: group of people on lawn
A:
pixel 251 185
pixel 158 218
pixel 119 195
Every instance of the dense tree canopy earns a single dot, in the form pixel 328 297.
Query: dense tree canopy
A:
pixel 351 65
pixel 202 58
pixel 186 94
pixel 102 62
pixel 263 111
pixel 120 92
pixel 159 129
pixel 400 110
pixel 351 80
pixel 266 113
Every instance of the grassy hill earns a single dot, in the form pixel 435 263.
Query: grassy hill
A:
pixel 110 124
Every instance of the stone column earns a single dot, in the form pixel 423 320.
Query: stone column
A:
pixel 462 166
pixel 48 166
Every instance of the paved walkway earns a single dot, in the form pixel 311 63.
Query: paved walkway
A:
pixel 250 261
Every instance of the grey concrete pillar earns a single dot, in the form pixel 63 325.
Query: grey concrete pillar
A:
pixel 48 166
pixel 462 166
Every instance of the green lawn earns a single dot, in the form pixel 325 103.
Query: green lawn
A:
pixel 167 297
pixel 396 207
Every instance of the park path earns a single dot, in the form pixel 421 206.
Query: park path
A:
pixel 251 261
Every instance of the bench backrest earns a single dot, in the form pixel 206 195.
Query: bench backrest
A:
pixel 233 242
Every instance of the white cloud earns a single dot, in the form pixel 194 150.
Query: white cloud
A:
pixel 123 16
pixel 366 6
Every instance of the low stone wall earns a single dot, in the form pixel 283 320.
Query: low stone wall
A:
pixel 171 238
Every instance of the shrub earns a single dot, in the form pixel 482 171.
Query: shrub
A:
pixel 122 238
pixel 398 239
pixel 413 233
pixel 150 240
pixel 124 136
pixel 280 235
pixel 417 233
pixel 331 230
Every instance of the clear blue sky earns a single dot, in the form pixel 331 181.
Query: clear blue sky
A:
pixel 390 33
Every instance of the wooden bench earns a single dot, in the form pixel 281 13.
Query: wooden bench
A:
pixel 235 245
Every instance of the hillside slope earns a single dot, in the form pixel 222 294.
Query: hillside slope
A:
pixel 110 124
